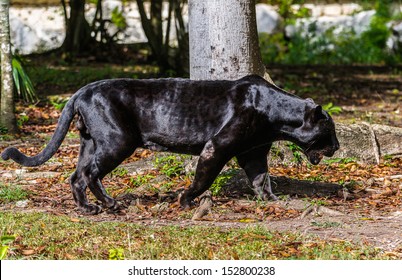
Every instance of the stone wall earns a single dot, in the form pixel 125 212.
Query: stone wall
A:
pixel 37 29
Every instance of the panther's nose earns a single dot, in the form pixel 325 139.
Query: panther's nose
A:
pixel 337 146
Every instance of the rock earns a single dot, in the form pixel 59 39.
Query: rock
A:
pixel 361 21
pixel 355 142
pixel 389 139
pixel 268 20
pixel 357 23
pixel 368 142
pixel 159 208
pixel 394 42
pixel 22 203
pixel 36 29
pixel 139 167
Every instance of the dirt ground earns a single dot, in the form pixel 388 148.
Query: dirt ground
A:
pixel 369 211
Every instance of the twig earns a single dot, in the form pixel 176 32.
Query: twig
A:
pixel 205 206
pixel 320 210
pixel 392 177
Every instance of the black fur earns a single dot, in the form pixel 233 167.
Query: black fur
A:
pixel 217 120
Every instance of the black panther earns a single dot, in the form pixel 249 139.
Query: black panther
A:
pixel 217 120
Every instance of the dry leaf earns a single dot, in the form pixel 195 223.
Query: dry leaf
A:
pixel 28 252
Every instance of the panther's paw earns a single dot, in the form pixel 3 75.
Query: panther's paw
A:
pixel 91 209
pixel 185 202
pixel 116 208
pixel 272 197
pixel 267 196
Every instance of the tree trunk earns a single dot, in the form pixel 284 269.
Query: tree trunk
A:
pixel 7 117
pixel 167 57
pixel 78 34
pixel 153 30
pixel 224 40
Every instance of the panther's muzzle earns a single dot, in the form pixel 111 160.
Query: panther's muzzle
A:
pixel 315 154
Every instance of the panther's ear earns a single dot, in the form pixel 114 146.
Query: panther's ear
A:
pixel 316 114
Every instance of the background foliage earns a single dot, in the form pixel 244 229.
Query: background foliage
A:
pixel 330 48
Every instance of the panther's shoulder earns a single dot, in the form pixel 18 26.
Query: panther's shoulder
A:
pixel 257 80
pixel 253 78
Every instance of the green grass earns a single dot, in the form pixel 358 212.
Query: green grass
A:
pixel 9 193
pixel 170 165
pixel 326 224
pixel 45 236
pixel 222 179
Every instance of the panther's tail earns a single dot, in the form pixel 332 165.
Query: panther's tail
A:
pixel 61 130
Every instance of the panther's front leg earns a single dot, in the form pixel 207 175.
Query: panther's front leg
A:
pixel 255 165
pixel 210 163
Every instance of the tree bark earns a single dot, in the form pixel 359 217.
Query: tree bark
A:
pixel 78 34
pixel 7 117
pixel 167 57
pixel 224 40
pixel 153 30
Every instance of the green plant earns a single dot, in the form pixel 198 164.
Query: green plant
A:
pixel 118 19
pixel 21 119
pixel 119 172
pixel 170 165
pixel 140 180
pixel 296 152
pixel 12 193
pixel 331 109
pixel 273 47
pixel 23 85
pixel 58 102
pixel 116 254
pixel 221 181
pixel 316 178
pixel 346 47
pixel 317 202
pixel 289 13
pixel 326 224
pixel 340 160
pixel 3 130
pixel 166 186
pixel 5 240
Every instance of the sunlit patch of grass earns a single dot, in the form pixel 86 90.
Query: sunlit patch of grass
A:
pixel 9 193
pixel 45 236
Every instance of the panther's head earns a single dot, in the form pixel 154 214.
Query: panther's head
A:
pixel 319 134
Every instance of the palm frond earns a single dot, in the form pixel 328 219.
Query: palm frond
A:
pixel 23 84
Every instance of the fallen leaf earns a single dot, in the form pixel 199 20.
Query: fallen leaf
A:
pixel 247 220
pixel 28 252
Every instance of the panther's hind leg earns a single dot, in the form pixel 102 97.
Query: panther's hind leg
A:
pixel 107 138
pixel 103 162
pixel 79 180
